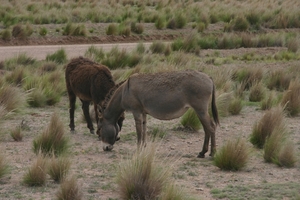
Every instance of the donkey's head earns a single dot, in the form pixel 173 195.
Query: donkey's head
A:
pixel 108 133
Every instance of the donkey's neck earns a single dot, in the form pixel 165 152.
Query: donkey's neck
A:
pixel 114 108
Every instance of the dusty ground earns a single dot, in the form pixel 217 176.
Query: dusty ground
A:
pixel 95 169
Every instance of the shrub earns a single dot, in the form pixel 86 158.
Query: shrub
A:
pixel 291 98
pixel 18 31
pixel 257 92
pixel 59 57
pixel 158 47
pixel 36 98
pixel 190 120
pixel 180 20
pixel 52 140
pixel 36 174
pixel 201 27
pixel 4 168
pixel 16 134
pixel 16 77
pixel 233 155
pixel 112 29
pixel 43 31
pixel 177 44
pixel 75 30
pixel 272 119
pixel 171 24
pixel 142 177
pixel 95 54
pixel 140 48
pixel 58 168
pixel 6 35
pixel 116 58
pixel 240 24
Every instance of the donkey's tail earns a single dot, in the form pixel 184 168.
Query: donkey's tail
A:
pixel 214 107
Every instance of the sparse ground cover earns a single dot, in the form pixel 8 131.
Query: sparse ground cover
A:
pixel 255 65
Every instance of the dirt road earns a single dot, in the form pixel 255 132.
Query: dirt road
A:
pixel 41 51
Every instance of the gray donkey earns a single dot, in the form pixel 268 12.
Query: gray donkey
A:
pixel 165 96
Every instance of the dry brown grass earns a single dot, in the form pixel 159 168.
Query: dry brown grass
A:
pixel 233 155
pixel 287 156
pixel 4 169
pixel 69 190
pixel 143 176
pixel 257 92
pixel 58 168
pixel 11 98
pixel 36 174
pixel 291 98
pixel 272 120
pixel 17 134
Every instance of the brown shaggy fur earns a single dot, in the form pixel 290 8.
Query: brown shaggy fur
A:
pixel 90 82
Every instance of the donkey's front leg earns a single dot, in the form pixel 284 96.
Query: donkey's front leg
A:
pixel 144 132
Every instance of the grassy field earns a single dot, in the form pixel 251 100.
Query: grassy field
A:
pixel 249 48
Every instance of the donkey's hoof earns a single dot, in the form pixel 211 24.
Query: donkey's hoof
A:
pixel 200 155
pixel 73 132
pixel 92 132
pixel 108 148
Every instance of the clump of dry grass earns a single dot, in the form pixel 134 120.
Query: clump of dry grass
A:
pixel 11 98
pixel 36 174
pixel 291 98
pixel 4 168
pixel 223 102
pixel 257 92
pixel 69 190
pixel 142 177
pixel 269 102
pixel 233 155
pixel 52 140
pixel 273 119
pixel 235 106
pixel 17 134
pixel 248 76
pixel 279 80
pixel 58 168
pixel 287 155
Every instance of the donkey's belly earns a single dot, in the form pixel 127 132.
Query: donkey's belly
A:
pixel 166 112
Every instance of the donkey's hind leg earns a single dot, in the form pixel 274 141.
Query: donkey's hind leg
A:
pixel 209 129
pixel 72 101
pixel 86 112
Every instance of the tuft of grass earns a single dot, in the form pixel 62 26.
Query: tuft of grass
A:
pixel 6 35
pixel 248 76
pixel 257 92
pixel 279 80
pixel 190 120
pixel 137 28
pixel 160 22
pixel 235 106
pixel 240 24
pixel 16 134
pixel 75 30
pixel 69 190
pixel 272 119
pixel 274 143
pixel 52 140
pixel 157 132
pixel 112 29
pixel 43 31
pixel 287 156
pixel 291 98
pixel 58 168
pixel 158 47
pixel 293 45
pixel 59 57
pixel 11 98
pixel 142 177
pixel 269 102
pixel 36 174
pixel 4 168
pixel 174 192
pixel 233 155
pixel 223 102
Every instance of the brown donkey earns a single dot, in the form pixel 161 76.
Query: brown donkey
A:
pixel 90 82
pixel 164 96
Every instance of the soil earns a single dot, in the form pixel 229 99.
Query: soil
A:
pixel 95 169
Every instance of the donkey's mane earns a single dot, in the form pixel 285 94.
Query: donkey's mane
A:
pixel 110 93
